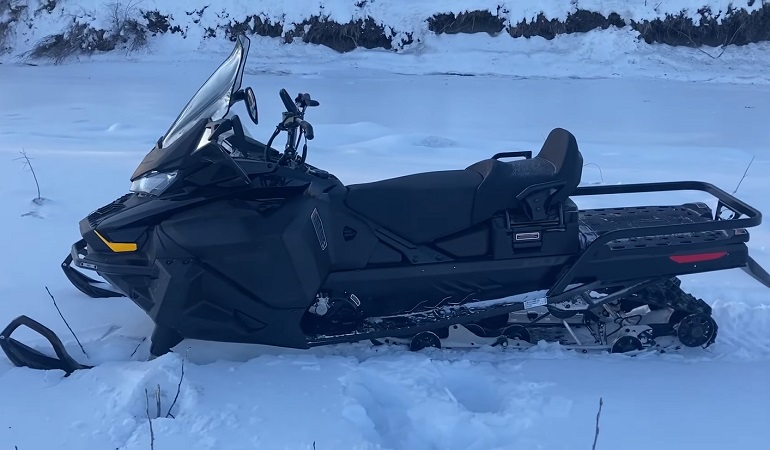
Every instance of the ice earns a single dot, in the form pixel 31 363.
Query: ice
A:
pixel 86 126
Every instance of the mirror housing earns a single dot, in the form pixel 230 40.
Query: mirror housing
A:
pixel 251 105
pixel 248 97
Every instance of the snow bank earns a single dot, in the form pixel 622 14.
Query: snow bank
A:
pixel 62 28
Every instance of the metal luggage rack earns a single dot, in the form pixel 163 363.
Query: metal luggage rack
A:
pixel 685 227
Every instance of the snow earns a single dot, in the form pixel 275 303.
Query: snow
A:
pixel 640 113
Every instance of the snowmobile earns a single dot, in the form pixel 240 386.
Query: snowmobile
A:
pixel 222 237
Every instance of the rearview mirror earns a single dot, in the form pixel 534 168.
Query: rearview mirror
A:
pixel 251 105
pixel 247 95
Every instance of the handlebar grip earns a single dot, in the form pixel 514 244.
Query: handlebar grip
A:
pixel 308 129
pixel 288 103
pixel 305 100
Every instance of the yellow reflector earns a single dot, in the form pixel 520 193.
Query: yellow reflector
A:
pixel 117 247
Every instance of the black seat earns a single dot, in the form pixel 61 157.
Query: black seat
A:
pixel 426 206
pixel 419 207
pixel 550 177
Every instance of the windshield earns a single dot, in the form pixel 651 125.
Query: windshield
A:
pixel 212 101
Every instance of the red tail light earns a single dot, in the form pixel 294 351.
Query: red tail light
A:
pixel 697 257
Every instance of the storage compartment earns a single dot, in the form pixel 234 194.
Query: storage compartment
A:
pixel 513 235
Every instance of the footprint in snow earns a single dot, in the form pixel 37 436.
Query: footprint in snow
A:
pixel 379 408
pixel 476 393
pixel 436 142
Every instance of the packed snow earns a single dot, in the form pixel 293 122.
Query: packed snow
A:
pixel 86 126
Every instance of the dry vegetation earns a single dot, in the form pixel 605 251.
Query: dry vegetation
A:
pixel 126 30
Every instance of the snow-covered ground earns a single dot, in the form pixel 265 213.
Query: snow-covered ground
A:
pixel 88 125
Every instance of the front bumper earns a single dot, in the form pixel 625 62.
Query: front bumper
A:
pixel 79 258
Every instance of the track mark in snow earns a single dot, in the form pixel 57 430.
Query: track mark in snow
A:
pixel 13 116
pixel 426 404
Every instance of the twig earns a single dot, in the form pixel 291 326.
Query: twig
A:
pixel 601 175
pixel 697 47
pixel 28 163
pixel 149 420
pixel 178 388
pixel 598 414
pixel 744 174
pixel 138 345
pixel 157 402
pixel 65 321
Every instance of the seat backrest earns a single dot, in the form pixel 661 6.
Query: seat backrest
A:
pixel 561 149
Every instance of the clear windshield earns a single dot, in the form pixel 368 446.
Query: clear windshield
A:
pixel 212 101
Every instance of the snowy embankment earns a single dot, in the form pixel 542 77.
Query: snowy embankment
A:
pixel 60 29
pixel 552 39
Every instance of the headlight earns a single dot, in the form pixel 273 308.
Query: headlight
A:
pixel 154 183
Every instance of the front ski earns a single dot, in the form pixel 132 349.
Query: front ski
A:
pixel 22 355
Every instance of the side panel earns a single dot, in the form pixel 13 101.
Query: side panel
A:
pixel 250 275
pixel 351 240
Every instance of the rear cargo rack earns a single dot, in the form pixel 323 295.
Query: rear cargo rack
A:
pixel 597 222
pixel 655 225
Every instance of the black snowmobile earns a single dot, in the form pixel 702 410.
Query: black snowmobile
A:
pixel 224 238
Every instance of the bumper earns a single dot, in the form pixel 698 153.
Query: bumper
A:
pixel 79 258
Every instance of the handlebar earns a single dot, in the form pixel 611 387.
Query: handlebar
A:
pixel 288 103
pixel 294 118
